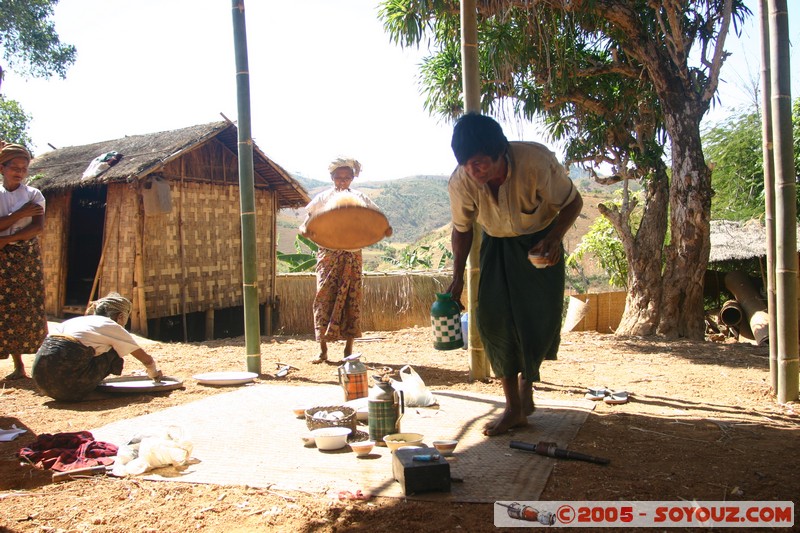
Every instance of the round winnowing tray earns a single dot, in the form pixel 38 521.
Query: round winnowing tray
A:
pixel 133 384
pixel 347 228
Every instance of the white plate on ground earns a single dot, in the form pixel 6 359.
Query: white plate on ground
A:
pixel 225 378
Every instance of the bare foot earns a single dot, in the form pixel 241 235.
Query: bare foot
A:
pixel 321 358
pixel 528 407
pixel 16 374
pixel 506 421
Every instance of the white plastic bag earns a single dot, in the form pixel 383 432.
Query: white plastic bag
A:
pixel 155 449
pixel 415 392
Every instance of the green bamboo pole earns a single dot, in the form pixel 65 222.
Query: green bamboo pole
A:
pixel 769 192
pixel 252 333
pixel 478 364
pixel 785 206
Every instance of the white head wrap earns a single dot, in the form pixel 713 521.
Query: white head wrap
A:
pixel 345 162
pixel 112 305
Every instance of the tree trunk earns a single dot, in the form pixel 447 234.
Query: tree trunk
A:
pixel 644 253
pixel 690 211
pixel 645 290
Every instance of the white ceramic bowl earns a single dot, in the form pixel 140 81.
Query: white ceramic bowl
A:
pixel 362 448
pixel 396 440
pixel 331 438
pixel 445 447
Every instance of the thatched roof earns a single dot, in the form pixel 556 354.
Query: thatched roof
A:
pixel 731 241
pixel 63 168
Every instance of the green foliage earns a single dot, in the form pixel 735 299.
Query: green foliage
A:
pixel 402 203
pixel 13 122
pixel 602 241
pixel 415 258
pixel 29 40
pixel 302 261
pixel 734 148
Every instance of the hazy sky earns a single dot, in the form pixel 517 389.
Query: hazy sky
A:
pixel 324 81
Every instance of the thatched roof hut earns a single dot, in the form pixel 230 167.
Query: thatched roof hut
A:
pixel 161 226
pixel 736 240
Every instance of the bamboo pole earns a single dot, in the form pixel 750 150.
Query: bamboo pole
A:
pixel 478 365
pixel 769 190
pixel 140 324
pixel 182 254
pixel 785 206
pixel 252 332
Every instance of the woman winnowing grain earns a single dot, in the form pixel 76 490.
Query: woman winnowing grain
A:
pixel 23 322
pixel 337 303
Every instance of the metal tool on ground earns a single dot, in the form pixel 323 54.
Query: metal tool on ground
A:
pixel 81 472
pixel 551 449
pixel 283 369
pixel 529 514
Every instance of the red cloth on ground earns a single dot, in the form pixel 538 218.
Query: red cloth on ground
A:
pixel 68 451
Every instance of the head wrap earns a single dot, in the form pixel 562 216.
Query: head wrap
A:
pixel 111 306
pixel 346 162
pixel 13 151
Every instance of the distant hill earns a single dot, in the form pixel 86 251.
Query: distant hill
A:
pixel 414 205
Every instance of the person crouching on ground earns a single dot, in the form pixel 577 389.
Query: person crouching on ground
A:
pixel 80 352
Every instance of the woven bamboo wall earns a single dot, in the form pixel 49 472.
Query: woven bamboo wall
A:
pixel 390 301
pixel 53 242
pixel 196 248
pixel 604 312
pixel 119 241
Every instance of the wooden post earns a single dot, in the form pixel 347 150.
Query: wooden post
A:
pixel 140 305
pixel 210 324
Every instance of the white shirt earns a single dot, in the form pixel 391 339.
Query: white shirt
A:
pixel 98 332
pixel 11 201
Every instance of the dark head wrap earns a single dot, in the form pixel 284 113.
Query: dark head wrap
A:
pixel 13 151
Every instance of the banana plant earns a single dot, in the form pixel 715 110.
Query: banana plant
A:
pixel 301 261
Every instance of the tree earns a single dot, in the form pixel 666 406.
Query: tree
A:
pixel 29 40
pixel 733 148
pixel 609 76
pixel 13 122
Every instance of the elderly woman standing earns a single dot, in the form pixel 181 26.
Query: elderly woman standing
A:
pixel 337 304
pixel 82 351
pixel 23 322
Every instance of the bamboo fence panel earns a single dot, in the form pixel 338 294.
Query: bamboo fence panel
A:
pixel 53 243
pixel 390 301
pixel 604 312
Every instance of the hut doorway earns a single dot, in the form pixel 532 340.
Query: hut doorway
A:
pixel 85 244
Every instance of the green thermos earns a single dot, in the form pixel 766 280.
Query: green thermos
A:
pixel 446 323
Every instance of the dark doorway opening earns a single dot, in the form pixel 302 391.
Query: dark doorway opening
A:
pixel 87 217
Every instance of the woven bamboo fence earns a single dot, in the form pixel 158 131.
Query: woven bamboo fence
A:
pixel 392 301
pixel 603 313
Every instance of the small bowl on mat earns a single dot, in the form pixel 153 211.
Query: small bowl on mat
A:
pixel 362 448
pixel 445 447
pixel 396 440
pixel 332 438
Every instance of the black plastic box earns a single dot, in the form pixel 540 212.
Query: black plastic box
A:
pixel 421 476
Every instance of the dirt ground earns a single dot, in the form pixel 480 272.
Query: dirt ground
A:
pixel 701 424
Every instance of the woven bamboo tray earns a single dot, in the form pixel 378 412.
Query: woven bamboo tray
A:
pixel 347 421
